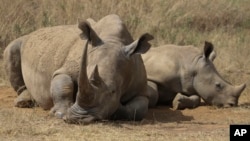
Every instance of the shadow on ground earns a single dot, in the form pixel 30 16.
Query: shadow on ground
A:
pixel 159 114
pixel 165 114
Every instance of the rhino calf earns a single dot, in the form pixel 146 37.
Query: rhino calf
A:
pixel 107 80
pixel 182 74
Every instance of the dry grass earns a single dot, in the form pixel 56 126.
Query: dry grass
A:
pixel 32 125
pixel 226 23
pixel 211 124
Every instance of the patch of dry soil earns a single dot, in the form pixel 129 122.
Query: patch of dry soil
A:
pixel 205 120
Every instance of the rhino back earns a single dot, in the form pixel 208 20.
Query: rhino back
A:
pixel 46 51
pixel 166 65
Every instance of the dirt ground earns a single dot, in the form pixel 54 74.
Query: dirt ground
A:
pixel 161 123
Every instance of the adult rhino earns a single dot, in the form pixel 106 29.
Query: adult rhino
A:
pixel 182 74
pixel 107 80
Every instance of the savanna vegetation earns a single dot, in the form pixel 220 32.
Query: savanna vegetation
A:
pixel 225 23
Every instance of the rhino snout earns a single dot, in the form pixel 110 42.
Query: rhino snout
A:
pixel 233 98
pixel 233 102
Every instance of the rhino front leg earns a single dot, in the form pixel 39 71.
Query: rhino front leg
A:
pixel 13 69
pixel 62 90
pixel 136 109
pixel 152 93
pixel 181 102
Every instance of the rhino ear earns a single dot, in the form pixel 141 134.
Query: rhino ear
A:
pixel 95 78
pixel 139 46
pixel 89 34
pixel 208 49
pixel 91 21
pixel 212 56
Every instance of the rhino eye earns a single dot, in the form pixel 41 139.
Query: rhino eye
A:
pixel 218 86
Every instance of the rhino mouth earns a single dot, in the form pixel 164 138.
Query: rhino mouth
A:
pixel 229 105
pixel 78 115
pixel 225 105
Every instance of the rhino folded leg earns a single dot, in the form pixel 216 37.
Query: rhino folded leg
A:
pixel 136 109
pixel 181 102
pixel 152 93
pixel 62 89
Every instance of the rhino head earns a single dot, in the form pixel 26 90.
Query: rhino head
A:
pixel 209 84
pixel 104 70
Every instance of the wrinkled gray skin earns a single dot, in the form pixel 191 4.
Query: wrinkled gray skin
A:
pixel 100 77
pixel 182 74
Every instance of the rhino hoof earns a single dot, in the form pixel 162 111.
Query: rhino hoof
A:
pixel 59 115
pixel 24 104
pixel 178 106
pixel 24 100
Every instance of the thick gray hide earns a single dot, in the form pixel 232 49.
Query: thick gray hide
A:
pixel 182 74
pixel 105 79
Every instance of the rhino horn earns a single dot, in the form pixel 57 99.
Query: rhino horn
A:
pixel 84 95
pixel 95 78
pixel 239 89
